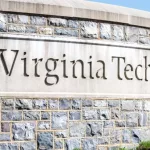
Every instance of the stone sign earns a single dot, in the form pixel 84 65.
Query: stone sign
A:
pixel 73 67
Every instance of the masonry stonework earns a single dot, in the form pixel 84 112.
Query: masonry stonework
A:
pixel 73 122
pixel 72 28
pixel 69 123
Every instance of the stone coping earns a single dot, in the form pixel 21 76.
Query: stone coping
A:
pixel 78 9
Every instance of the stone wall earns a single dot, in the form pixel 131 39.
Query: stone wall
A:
pixel 69 123
pixel 65 124
pixel 72 27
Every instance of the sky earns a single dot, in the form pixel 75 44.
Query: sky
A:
pixel 137 4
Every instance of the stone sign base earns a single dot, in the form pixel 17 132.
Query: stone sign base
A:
pixel 53 51
pixel 69 123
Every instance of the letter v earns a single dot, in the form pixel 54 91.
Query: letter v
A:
pixel 4 62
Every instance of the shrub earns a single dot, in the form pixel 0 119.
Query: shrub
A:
pixel 144 146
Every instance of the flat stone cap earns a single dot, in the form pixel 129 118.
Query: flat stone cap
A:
pixel 79 9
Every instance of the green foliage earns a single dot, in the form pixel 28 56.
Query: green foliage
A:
pixel 144 146
pixel 77 149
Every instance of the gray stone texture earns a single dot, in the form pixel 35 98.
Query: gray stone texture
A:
pixel 74 115
pixel 76 104
pixel 144 36
pixel 44 125
pixel 89 29
pixel 115 113
pixel 24 104
pixel 5 127
pixel 132 120
pixel 77 129
pixel 87 103
pixel 138 105
pixel 109 124
pixel 53 104
pixel 73 24
pixel 147 105
pixel 64 104
pixel 15 18
pixel 98 122
pixel 104 114
pixel 36 20
pixel 118 32
pixel 3 22
pixel 139 135
pixel 23 131
pixel 126 136
pixel 71 144
pixel 31 115
pixel 39 104
pixel 132 34
pixel 7 104
pixel 105 31
pixel 45 141
pixel 9 146
pixel 89 144
pixel 142 119
pixel 58 144
pixel 22 23
pixel 100 103
pixel 45 115
pixel 59 120
pixel 90 114
pixel 120 123
pixel 102 148
pixel 4 137
pixel 11 116
pixel 103 141
pixel 128 105
pixel 61 134
pixel 31 29
pixel 115 136
pixel 66 32
pixel 57 22
pixel 114 103
pixel 16 28
pixel 45 30
pixel 93 129
pixel 28 146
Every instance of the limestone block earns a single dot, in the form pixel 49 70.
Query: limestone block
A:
pixel 66 32
pixel 11 115
pixel 23 131
pixel 89 29
pixel 45 140
pixel 57 22
pixel 24 104
pixel 105 31
pixel 93 129
pixel 36 20
pixel 28 146
pixel 74 115
pixel 59 120
pixel 77 129
pixel 31 115
pixel 118 32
